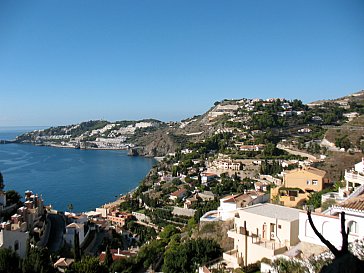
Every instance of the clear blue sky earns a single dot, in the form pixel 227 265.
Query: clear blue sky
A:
pixel 65 61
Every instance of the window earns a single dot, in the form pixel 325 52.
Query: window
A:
pixel 314 182
pixel 293 193
pixel 16 245
pixel 353 227
pixel 308 182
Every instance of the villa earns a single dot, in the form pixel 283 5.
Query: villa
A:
pixel 72 230
pixel 178 194
pixel 297 186
pixel 262 230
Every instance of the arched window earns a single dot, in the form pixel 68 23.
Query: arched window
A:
pixel 353 227
pixel 308 230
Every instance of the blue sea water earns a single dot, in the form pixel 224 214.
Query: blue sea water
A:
pixel 85 178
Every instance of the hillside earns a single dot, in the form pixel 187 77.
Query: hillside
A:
pixel 247 122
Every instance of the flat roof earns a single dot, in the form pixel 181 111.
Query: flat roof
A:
pixel 273 211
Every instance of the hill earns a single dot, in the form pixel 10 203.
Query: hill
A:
pixel 247 122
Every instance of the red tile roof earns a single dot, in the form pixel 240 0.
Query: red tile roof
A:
pixel 178 192
pixel 122 254
pixel 355 203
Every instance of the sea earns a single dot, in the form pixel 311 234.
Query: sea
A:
pixel 86 179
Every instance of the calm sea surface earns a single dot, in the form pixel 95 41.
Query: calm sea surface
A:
pixel 85 178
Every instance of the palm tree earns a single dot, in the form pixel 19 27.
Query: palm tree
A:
pixel 70 207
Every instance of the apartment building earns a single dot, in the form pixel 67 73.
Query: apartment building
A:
pixel 262 230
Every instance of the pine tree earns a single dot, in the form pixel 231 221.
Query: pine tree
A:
pixel 108 257
pixel 76 247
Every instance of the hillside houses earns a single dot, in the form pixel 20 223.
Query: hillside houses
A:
pixel 225 164
pixel 15 232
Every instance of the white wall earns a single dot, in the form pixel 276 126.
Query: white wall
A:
pixel 8 239
pixel 226 210
pixel 328 226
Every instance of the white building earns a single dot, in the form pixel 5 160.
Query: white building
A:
pixel 262 230
pixel 71 229
pixel 329 224
pixel 355 177
pixel 15 240
pixel 231 203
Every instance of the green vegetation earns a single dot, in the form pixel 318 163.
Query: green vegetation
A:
pixel 187 256
pixel 87 265
pixel 283 265
pixel 9 261
pixel 144 233
pixel 37 260
pixel 315 198
pixel 13 197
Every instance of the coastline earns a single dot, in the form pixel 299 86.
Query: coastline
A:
pixel 129 179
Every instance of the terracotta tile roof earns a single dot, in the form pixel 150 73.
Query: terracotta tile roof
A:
pixel 355 203
pixel 238 198
pixel 75 225
pixel 178 192
pixel 208 174
pixel 309 169
pixel 117 255
pixel 63 262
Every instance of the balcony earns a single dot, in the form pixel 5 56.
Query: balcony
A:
pixel 336 196
pixel 233 258
pixel 354 177
pixel 235 234
pixel 272 244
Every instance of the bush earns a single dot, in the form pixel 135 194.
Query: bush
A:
pixel 251 268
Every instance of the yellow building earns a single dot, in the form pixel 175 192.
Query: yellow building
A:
pixel 297 186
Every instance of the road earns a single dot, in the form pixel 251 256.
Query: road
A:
pixel 300 153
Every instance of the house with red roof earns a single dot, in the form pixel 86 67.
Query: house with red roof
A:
pixel 178 194
pixel 118 254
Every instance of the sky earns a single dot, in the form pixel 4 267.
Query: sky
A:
pixel 66 61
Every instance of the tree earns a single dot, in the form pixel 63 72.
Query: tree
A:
pixel 108 258
pixel 168 232
pixel 76 247
pixel 149 254
pixel 1 181
pixel 70 207
pixel 37 260
pixel 9 261
pixel 88 265
pixel 12 197
pixel 187 256
pixel 128 265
